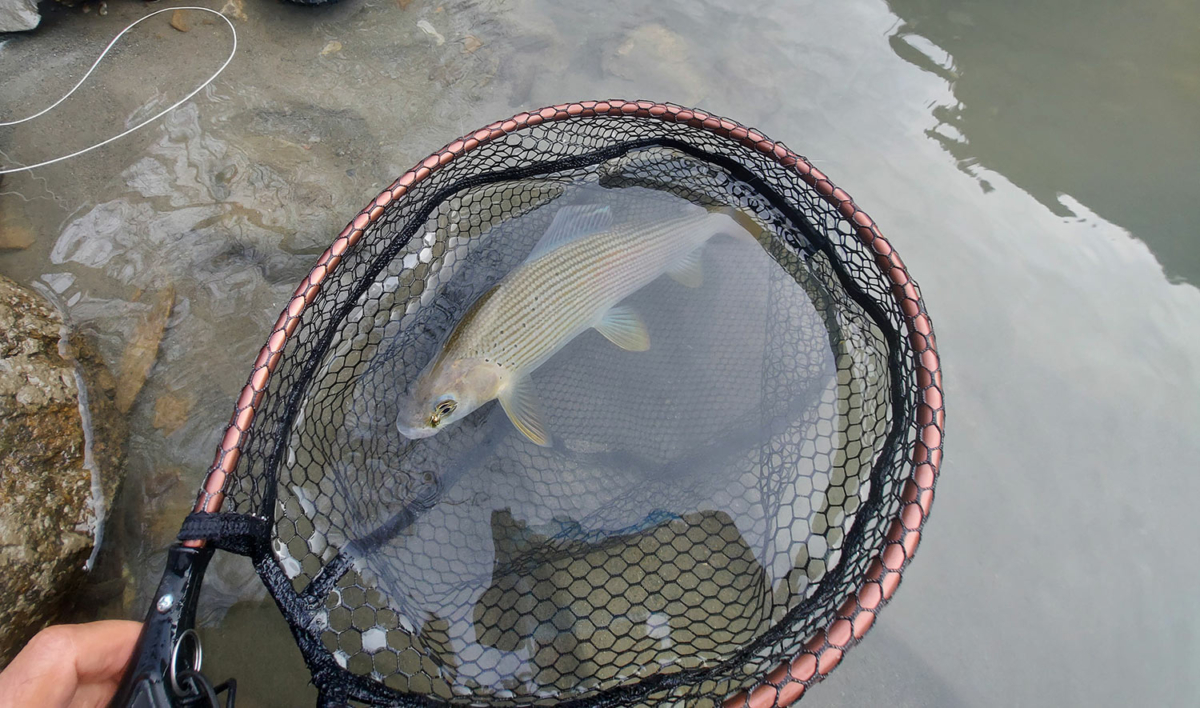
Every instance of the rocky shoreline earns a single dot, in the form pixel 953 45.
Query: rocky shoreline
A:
pixel 61 462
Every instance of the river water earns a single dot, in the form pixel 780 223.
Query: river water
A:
pixel 1036 167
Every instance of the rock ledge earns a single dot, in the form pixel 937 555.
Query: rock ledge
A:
pixel 53 464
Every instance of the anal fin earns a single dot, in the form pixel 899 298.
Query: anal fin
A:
pixel 624 328
pixel 519 400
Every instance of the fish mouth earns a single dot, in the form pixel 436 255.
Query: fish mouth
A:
pixel 415 433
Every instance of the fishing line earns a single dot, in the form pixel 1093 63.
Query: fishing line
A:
pixel 139 126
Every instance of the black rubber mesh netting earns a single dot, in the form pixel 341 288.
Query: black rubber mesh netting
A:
pixel 631 563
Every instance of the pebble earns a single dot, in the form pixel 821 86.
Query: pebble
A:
pixel 15 237
pixel 179 20
pixel 430 30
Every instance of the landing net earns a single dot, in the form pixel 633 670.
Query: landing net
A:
pixel 717 532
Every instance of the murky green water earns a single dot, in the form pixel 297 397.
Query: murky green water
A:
pixel 1034 165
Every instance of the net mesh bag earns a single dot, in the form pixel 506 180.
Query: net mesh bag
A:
pixel 719 517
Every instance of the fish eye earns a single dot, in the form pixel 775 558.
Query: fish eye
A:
pixel 442 409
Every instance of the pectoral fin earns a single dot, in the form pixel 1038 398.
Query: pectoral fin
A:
pixel 625 328
pixel 690 270
pixel 519 400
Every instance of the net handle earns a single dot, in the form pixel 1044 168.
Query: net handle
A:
pixel 159 660
pixel 854 618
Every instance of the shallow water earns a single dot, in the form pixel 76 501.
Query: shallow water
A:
pixel 1036 172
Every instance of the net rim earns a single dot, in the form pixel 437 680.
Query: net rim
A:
pixel 825 650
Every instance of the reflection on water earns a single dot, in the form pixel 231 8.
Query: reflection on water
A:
pixel 1069 102
pixel 1073 365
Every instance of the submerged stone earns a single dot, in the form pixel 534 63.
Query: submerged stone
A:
pixel 18 15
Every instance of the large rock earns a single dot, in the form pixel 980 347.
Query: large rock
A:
pixel 18 15
pixel 58 473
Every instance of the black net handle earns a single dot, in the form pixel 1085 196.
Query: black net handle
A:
pixel 168 649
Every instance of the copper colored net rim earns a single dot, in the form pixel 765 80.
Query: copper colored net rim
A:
pixel 854 618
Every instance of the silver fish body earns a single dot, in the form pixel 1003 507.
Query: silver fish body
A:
pixel 574 280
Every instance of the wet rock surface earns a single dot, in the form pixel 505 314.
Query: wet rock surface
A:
pixel 142 350
pixel 49 512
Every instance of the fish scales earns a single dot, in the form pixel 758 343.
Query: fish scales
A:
pixel 544 304
pixel 576 283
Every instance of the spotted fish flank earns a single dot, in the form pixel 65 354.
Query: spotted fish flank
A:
pixel 572 281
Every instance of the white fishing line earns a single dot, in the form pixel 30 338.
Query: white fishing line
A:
pixel 148 121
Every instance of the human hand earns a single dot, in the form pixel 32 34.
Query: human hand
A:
pixel 70 665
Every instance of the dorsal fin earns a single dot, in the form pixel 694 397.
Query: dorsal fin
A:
pixel 570 223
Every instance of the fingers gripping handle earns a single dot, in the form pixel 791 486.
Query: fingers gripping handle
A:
pixel 168 647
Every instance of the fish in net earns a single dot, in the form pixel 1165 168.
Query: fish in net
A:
pixel 710 512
